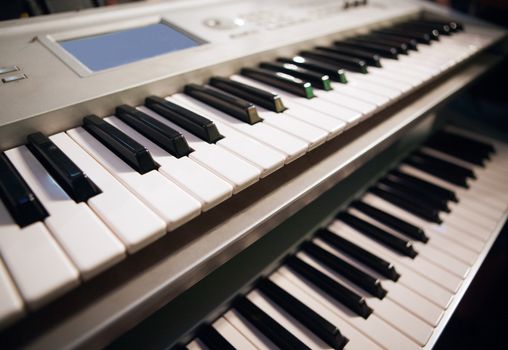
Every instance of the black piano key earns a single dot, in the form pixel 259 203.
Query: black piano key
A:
pixel 376 263
pixel 473 157
pixel 394 222
pixel 442 28
pixel 346 62
pixel 335 72
pixel 415 192
pixel 426 186
pixel 131 152
pixel 383 51
pixel 403 246
pixel 401 47
pixel 21 202
pixel 461 147
pixel 344 295
pixel 438 171
pixel 371 58
pixel 266 325
pixel 234 106
pixel 451 167
pixel 362 279
pixel 404 185
pixel 411 44
pixel 213 339
pixel 469 142
pixel 326 331
pixel 318 80
pixel 422 38
pixel 264 98
pixel 67 174
pixel 164 136
pixel 411 198
pixel 432 33
pixel 402 202
pixel 455 26
pixel 280 80
pixel 194 123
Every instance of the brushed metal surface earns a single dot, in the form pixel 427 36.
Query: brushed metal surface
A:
pixel 102 309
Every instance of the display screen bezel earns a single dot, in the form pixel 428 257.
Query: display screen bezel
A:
pixel 52 41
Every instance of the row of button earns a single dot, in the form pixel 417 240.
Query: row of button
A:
pixel 12 77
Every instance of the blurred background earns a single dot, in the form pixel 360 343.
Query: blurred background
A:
pixel 493 10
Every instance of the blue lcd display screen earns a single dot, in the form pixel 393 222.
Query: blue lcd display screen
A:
pixel 115 49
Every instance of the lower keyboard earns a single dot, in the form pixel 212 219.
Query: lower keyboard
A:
pixel 385 271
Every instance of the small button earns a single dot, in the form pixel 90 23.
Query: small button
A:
pixel 16 77
pixel 9 69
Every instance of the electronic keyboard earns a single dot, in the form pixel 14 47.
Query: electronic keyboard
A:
pixel 145 145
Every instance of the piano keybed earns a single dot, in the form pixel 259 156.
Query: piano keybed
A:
pixel 76 203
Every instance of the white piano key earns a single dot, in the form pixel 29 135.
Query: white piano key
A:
pixel 468 210
pixel 347 101
pixel 424 286
pixel 255 337
pixel 86 239
pixel 373 327
pixel 403 67
pixel 458 268
pixel 430 64
pixel 372 86
pixel 397 292
pixel 37 264
pixel 305 131
pixel 264 158
pixel 357 341
pixel 236 158
pixel 353 90
pixel 133 222
pixel 203 185
pixel 334 110
pixel 232 335
pixel 287 321
pixel 285 143
pixel 333 125
pixel 197 344
pixel 418 264
pixel 380 74
pixel 440 258
pixel 398 68
pixel 407 77
pixel 11 305
pixel 391 313
pixel 165 198
pixel 373 80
